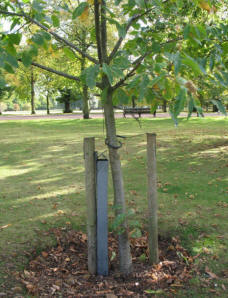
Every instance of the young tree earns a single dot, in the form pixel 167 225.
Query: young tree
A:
pixel 144 30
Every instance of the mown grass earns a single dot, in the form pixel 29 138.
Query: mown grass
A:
pixel 42 186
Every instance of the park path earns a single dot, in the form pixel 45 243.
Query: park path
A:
pixel 92 115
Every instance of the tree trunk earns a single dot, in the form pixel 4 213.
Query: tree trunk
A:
pixel 133 101
pixel 32 93
pixel 215 109
pixel 67 108
pixel 85 98
pixel 85 108
pixel 117 177
pixel 164 106
pixel 47 99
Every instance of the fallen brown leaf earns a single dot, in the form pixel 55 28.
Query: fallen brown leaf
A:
pixel 211 274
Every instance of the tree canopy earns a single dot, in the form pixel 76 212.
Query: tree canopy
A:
pixel 135 48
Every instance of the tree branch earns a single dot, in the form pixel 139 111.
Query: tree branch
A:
pixel 138 62
pixel 120 40
pixel 97 29
pixel 103 31
pixel 55 35
pixel 60 73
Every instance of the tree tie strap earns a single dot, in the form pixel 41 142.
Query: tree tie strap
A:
pixel 113 146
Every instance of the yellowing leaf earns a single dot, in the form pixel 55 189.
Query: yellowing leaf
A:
pixel 204 5
pixel 84 16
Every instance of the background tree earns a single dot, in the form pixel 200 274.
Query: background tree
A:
pixel 66 97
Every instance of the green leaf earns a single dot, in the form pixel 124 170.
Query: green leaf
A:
pixel 140 3
pixel 122 62
pixel 11 60
pixel 120 97
pixel 180 102
pixel 197 69
pixel 11 49
pixel 2 82
pixel 117 72
pixel 186 31
pixel 220 79
pixel 121 30
pixel 37 6
pixel 155 80
pixel 177 63
pixel 143 87
pixel 156 48
pixel 26 59
pixel 150 98
pixel 190 106
pixel 220 106
pixel 33 50
pixel 69 53
pixel 55 20
pixel 154 105
pixel 38 39
pixel 14 23
pixel 91 74
pixel 8 68
pixel 15 38
pixel 107 71
pixel 79 10
pixel 225 76
pixel 46 35
pixel 212 62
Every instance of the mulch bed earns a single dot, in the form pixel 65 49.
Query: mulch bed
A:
pixel 62 270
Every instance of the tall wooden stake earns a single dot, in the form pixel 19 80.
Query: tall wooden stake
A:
pixel 152 198
pixel 90 184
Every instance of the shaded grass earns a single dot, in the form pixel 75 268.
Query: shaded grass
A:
pixel 42 184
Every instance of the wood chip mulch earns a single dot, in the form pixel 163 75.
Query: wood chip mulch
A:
pixel 62 270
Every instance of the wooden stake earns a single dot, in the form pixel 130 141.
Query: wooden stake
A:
pixel 152 198
pixel 90 184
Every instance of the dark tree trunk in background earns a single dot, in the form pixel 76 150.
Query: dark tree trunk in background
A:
pixel 164 106
pixel 214 108
pixel 47 99
pixel 67 108
pixel 32 93
pixel 133 101
pixel 85 95
pixel 85 108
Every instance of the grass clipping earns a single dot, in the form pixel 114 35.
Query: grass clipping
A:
pixel 63 269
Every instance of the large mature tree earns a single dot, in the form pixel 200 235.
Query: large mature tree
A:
pixel 145 31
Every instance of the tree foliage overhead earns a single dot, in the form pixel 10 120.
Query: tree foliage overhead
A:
pixel 160 44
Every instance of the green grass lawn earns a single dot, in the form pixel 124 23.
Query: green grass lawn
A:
pixel 42 186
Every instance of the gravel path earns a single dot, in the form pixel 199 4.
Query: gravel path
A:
pixel 92 115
